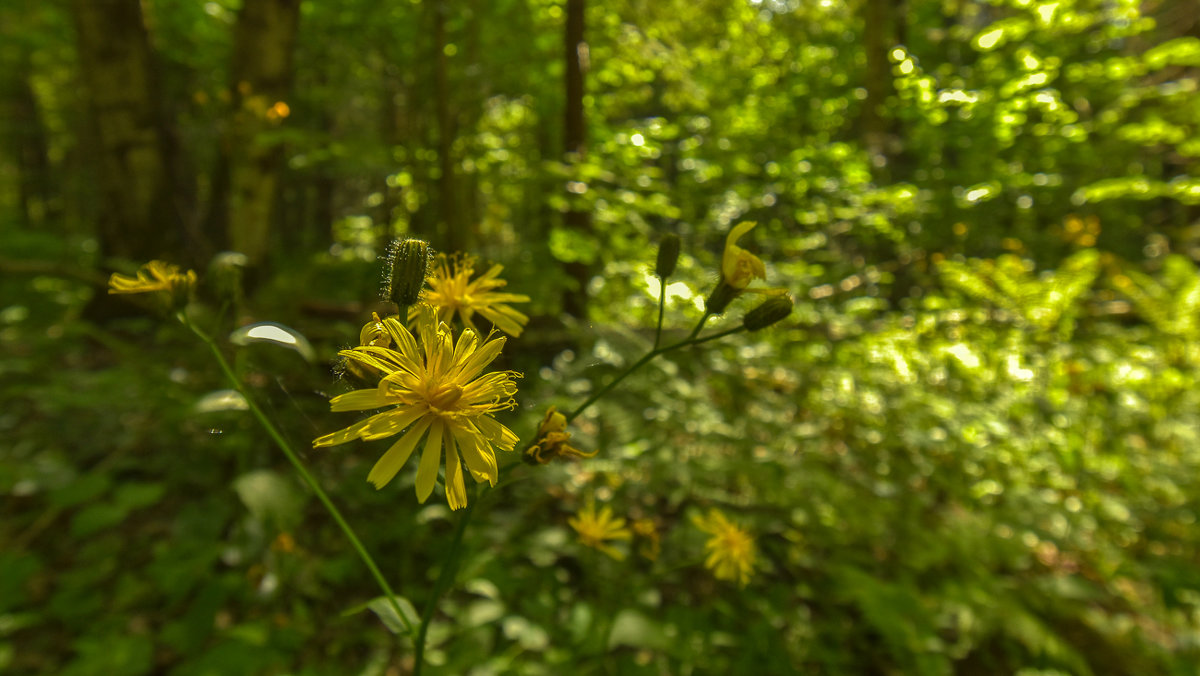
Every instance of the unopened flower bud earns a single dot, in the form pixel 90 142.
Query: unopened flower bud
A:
pixel 225 274
pixel 771 311
pixel 408 263
pixel 668 255
pixel 720 298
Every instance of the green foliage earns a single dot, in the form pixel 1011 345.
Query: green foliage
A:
pixel 1008 283
pixel 973 448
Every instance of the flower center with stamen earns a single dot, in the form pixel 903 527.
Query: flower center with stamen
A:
pixel 444 396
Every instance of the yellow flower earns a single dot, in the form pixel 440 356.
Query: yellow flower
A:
pixel 451 290
pixel 374 333
pixel 156 277
pixel 432 387
pixel 731 552
pixel 651 542
pixel 738 266
pixel 552 439
pixel 595 530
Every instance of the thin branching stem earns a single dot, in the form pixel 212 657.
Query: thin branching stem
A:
pixel 662 301
pixel 646 358
pixel 445 578
pixel 283 444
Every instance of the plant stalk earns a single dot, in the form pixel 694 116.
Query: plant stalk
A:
pixel 283 444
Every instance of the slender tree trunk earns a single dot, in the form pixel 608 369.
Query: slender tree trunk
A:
pixel 450 234
pixel 25 140
pixel 575 146
pixel 878 37
pixel 135 157
pixel 246 186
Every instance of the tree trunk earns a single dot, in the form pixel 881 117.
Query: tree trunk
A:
pixel 248 173
pixel 878 17
pixel 575 147
pixel 449 232
pixel 139 215
pixel 25 140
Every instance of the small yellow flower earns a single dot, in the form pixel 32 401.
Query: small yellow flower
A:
pixel 156 277
pixel 374 333
pixel 552 438
pixel 595 530
pixel 731 551
pixel 651 541
pixel 432 387
pixel 738 266
pixel 451 290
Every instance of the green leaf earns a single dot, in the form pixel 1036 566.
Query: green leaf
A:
pixel 386 612
pixel 571 246
pixel 633 629
pixel 85 487
pixel 15 570
pixel 138 495
pixel 112 655
pixel 270 497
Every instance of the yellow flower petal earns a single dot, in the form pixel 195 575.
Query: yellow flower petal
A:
pixel 595 530
pixel 456 492
pixel 359 400
pixel 405 342
pixel 738 266
pixel 430 385
pixel 479 461
pixel 391 462
pixel 341 436
pixel 731 554
pixel 431 458
pixel 452 291
pixel 496 433
pixel 480 358
pixel 387 424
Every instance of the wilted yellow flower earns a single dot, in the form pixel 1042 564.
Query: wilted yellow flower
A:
pixel 374 333
pixel 432 387
pixel 552 438
pixel 651 541
pixel 451 290
pixel 738 266
pixel 595 530
pixel 731 552
pixel 157 277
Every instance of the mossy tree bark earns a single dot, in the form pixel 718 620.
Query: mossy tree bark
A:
pixel 575 146
pixel 24 138
pixel 882 21
pixel 248 172
pixel 449 233
pixel 143 209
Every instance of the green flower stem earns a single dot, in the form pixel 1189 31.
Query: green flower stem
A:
pixel 690 340
pixel 283 444
pixel 445 578
pixel 699 325
pixel 662 301
pixel 714 336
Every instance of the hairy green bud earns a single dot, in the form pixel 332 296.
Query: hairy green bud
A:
pixel 225 274
pixel 668 255
pixel 771 311
pixel 720 298
pixel 407 266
